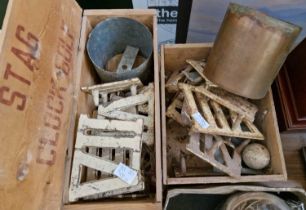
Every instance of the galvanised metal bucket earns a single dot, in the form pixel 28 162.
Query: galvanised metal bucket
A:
pixel 110 38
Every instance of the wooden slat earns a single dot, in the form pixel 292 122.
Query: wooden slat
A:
pixel 224 179
pixel 269 128
pixel 220 115
pixel 38 56
pixel 292 145
pixel 139 205
pixel 163 114
pixel 158 166
pixel 206 110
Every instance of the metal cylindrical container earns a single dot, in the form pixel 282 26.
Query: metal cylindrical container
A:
pixel 249 50
pixel 110 38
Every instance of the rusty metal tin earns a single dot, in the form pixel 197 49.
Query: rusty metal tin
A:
pixel 249 50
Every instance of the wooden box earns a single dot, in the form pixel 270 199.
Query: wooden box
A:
pixel 173 58
pixel 43 65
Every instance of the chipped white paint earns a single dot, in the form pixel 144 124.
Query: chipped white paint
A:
pixel 138 103
pixel 112 87
pixel 124 109
pixel 24 167
pixel 212 108
pixel 105 134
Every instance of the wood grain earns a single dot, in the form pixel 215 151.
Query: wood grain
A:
pixel 292 145
pixel 34 133
pixel 87 77
pixel 139 205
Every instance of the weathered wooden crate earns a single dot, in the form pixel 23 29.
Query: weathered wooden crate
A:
pixel 43 65
pixel 173 58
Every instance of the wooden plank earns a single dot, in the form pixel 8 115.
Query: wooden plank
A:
pixel 225 179
pixel 124 103
pixel 269 128
pixel 206 109
pixel 114 86
pixel 158 164
pixel 220 115
pixel 292 145
pixel 36 80
pixel 144 16
pixel 133 205
pixel 107 187
pixel 163 114
pixel 177 54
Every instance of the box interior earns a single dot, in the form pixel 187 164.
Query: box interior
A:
pixel 87 76
pixel 174 59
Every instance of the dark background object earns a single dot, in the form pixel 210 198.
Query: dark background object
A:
pixel 183 20
pixel 290 91
pixel 105 4
pixel 196 202
pixel 3 5
pixel 85 4
pixel 210 201
pixel 206 16
pixel 304 155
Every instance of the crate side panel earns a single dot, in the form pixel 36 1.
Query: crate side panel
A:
pixel 36 76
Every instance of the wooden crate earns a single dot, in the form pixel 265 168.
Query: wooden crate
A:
pixel 43 65
pixel 173 58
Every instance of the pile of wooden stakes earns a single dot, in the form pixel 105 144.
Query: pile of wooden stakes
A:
pixel 121 131
pixel 220 124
